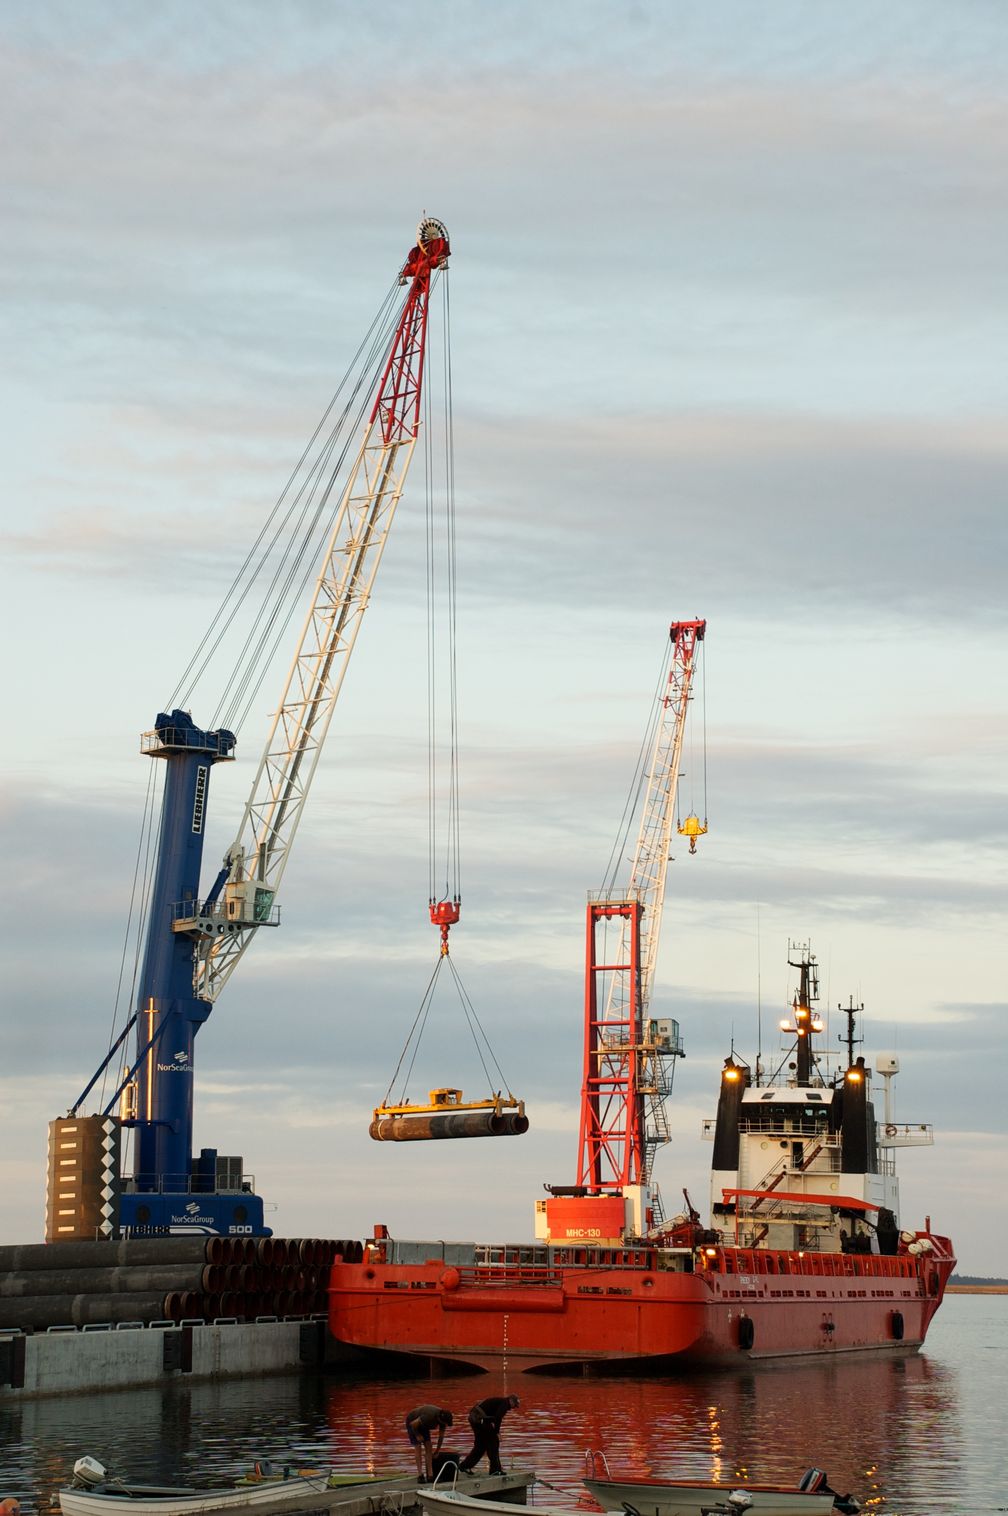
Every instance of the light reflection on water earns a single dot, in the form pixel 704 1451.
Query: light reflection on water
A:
pixel 910 1436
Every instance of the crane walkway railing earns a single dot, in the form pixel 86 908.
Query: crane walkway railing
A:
pixel 213 917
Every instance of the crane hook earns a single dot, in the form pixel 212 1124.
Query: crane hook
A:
pixel 444 914
pixel 692 829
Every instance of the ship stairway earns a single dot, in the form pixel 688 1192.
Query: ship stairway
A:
pixel 807 1162
pixel 769 1182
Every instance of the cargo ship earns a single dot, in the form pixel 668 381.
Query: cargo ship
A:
pixel 805 1255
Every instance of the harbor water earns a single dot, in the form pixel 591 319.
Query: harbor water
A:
pixel 912 1436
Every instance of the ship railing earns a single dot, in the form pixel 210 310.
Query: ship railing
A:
pixel 905 1134
pixel 548 1269
pixel 808 1259
pixel 791 1126
pixel 500 1276
pixel 187 1184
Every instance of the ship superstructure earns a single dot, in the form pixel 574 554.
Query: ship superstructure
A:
pixel 802 1161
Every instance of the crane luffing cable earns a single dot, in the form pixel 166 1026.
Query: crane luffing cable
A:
pixel 287 534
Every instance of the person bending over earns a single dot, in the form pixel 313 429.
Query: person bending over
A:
pixel 420 1423
pixel 485 1419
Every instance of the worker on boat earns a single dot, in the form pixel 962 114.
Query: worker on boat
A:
pixel 485 1419
pixel 420 1423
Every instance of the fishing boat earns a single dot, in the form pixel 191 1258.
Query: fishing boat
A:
pixel 804 1256
pixel 273 1491
pixel 95 1492
pixel 688 1497
pixel 677 1500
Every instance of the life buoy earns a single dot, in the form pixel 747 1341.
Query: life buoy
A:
pixel 746 1333
pixel 896 1325
pixel 890 1130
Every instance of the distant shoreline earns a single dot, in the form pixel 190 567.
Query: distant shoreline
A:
pixel 976 1289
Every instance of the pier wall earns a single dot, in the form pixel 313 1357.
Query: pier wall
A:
pixel 82 1362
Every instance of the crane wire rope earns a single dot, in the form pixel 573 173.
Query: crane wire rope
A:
pixel 481 1041
pixel 476 1025
pixel 377 337
pixel 415 1032
pixel 454 840
pixel 143 845
pixel 701 660
pixel 302 550
pixel 451 841
pixel 638 782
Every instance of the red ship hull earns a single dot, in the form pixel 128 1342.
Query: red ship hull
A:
pixel 744 1306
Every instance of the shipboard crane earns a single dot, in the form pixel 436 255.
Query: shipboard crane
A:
pixel 194 944
pixel 626 1053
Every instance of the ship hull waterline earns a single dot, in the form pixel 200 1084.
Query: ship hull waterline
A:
pixel 625 1318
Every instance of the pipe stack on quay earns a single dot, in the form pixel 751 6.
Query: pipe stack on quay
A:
pixel 165 1279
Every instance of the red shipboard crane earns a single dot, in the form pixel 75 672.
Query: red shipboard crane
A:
pixel 627 1053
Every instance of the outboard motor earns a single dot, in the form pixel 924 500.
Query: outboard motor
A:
pixel 88 1473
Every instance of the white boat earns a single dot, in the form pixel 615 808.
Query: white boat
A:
pixel 96 1493
pixel 811 1496
pixel 438 1501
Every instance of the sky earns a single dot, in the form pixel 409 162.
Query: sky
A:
pixel 728 326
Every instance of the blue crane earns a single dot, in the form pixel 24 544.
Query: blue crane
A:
pixel 194 943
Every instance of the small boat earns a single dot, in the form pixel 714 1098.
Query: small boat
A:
pixel 444 1501
pixel 95 1492
pixel 811 1496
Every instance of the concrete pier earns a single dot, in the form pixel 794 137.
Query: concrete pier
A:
pixel 68 1362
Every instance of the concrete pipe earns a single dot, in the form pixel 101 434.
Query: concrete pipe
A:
pixel 41 1311
pixel 424 1127
pixel 114 1281
pixel 21 1257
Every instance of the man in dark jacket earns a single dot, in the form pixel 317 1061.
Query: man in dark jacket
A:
pixel 485 1419
pixel 420 1423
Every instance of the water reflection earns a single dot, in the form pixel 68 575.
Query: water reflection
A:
pixel 910 1435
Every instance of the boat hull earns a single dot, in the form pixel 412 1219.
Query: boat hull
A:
pixel 270 1494
pixel 692 1497
pixel 622 1316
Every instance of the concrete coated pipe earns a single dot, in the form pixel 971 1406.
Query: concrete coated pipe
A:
pixel 120 1281
pixel 97 1255
pixel 41 1311
pixel 425 1127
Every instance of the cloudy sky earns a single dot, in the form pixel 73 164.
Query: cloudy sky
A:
pixel 728 326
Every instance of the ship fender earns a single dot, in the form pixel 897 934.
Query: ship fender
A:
pixel 746 1333
pixel 896 1325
